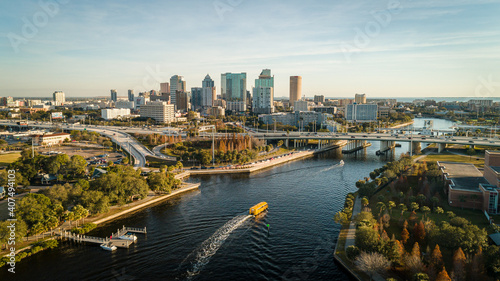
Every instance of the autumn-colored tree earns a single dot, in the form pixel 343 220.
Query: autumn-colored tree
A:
pixel 413 216
pixel 405 235
pixel 459 262
pixel 415 251
pixel 436 258
pixel 443 275
pixel 477 265
pixel 419 232
pixel 384 237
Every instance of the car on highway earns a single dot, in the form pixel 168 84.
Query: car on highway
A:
pixel 471 141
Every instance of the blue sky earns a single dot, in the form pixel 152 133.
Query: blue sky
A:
pixel 381 48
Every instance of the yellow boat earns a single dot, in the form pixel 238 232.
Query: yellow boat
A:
pixel 259 208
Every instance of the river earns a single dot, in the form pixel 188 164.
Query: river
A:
pixel 206 235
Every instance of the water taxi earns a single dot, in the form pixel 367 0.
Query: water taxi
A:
pixel 108 246
pixel 259 208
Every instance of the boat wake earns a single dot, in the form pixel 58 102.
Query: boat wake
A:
pixel 201 256
pixel 340 164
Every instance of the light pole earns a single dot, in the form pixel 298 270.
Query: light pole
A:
pixel 213 146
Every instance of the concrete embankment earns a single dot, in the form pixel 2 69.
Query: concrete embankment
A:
pixel 245 169
pixel 153 200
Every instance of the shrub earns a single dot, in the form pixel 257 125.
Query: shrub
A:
pixel 352 252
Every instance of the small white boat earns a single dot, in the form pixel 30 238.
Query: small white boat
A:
pixel 131 237
pixel 108 246
pixel 341 163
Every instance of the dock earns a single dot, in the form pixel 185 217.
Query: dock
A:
pixel 120 243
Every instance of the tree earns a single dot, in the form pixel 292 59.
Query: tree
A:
pixel 419 232
pixel 391 205
pixel 415 251
pixel 436 261
pixel 434 201
pixel 367 239
pixel 405 235
pixel 414 206
pixel 421 277
pixel 421 199
pixel 403 209
pixel 372 263
pixel 438 210
pixel 381 207
pixel 425 210
pixel 365 202
pixel 443 275
pixel 459 262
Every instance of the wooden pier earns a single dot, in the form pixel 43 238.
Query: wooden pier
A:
pixel 114 240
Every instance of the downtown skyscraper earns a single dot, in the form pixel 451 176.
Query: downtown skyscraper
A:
pixel 295 89
pixel 177 84
pixel 263 93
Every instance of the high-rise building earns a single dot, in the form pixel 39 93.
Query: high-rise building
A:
pixel 182 101
pixel 164 88
pixel 361 112
pixel 196 98
pixel 159 110
pixel 319 99
pixel 177 83
pixel 207 82
pixel 130 95
pixel 263 93
pixel 295 89
pixel 59 97
pixel 114 95
pixel 208 92
pixel 360 98
pixel 234 86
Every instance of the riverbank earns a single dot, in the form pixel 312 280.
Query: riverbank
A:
pixel 293 156
pixel 109 216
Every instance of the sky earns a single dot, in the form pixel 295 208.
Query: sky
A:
pixel 393 48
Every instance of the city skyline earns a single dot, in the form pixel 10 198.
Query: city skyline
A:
pixel 384 49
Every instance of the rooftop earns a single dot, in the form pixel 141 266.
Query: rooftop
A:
pixel 464 176
pixel 495 168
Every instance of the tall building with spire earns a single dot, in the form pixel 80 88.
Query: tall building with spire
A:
pixel 295 89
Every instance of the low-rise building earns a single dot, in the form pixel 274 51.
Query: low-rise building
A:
pixel 159 110
pixel 50 139
pixel 113 113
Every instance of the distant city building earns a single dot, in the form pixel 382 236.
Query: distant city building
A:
pixel 361 112
pixel 325 109
pixel 140 101
pixel 113 113
pixel 177 83
pixel 295 89
pixel 263 93
pixel 237 106
pixel 216 111
pixel 344 102
pixel 183 103
pixel 196 98
pixel 159 111
pixel 220 102
pixel 114 95
pixel 59 97
pixel 360 98
pixel 384 111
pixel 130 95
pixel 301 105
pixel 125 104
pixel 50 139
pixel 480 104
pixel 234 87
pixel 202 98
pixel 297 118
pixel 319 99
pixel 164 88
pixel 8 101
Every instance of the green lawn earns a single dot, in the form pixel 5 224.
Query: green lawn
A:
pixel 454 158
pixel 6 159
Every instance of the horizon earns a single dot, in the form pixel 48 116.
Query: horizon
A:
pixel 383 49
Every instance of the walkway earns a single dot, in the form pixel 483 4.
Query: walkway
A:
pixel 349 241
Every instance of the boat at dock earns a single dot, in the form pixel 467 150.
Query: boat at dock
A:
pixel 341 163
pixel 259 208
pixel 108 246
pixel 128 236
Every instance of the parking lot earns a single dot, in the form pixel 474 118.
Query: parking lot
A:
pixel 87 153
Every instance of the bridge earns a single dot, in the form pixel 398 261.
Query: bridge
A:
pixel 297 139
